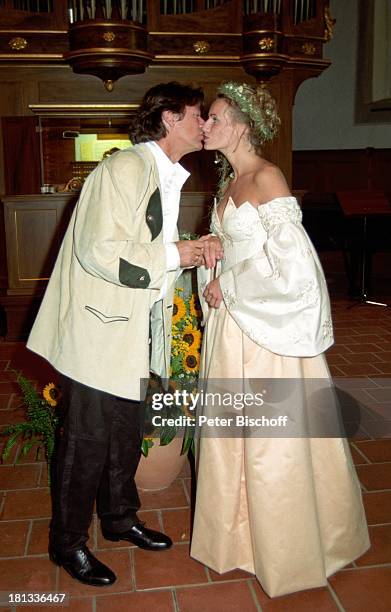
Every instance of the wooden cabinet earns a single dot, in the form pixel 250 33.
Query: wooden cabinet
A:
pixel 34 227
pixel 194 212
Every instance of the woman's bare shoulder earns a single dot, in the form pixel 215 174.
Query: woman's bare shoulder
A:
pixel 270 182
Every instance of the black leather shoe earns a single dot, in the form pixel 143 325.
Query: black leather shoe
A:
pixel 82 565
pixel 140 536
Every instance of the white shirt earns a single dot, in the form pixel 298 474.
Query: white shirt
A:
pixel 172 176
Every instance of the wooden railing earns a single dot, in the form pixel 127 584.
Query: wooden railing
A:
pixel 30 6
pixel 33 14
pixel 83 10
pixel 264 36
pixel 142 10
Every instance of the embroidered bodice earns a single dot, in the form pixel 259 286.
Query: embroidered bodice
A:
pixel 271 278
pixel 243 229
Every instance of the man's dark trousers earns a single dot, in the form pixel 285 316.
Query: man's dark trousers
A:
pixel 98 452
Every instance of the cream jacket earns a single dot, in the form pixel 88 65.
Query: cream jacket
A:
pixel 94 321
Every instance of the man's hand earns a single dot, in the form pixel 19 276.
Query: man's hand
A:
pixel 190 253
pixel 213 251
pixel 212 293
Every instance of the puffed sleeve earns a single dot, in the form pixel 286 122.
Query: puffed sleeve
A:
pixel 279 296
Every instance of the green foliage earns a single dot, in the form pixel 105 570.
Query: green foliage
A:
pixel 146 445
pixel 39 428
pixel 167 433
pixel 185 358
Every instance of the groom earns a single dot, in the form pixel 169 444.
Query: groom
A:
pixel 105 321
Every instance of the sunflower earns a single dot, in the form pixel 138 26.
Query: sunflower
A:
pixel 191 361
pixel 51 394
pixel 192 336
pixel 194 305
pixel 179 309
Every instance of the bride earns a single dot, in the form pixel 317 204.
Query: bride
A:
pixel 287 509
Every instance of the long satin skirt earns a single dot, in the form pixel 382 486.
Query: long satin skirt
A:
pixel 288 510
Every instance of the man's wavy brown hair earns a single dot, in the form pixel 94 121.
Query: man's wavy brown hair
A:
pixel 173 96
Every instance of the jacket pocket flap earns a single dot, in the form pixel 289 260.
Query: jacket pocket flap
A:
pixel 105 318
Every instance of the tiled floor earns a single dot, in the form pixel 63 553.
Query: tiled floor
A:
pixel 171 581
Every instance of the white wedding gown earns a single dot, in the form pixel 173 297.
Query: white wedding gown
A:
pixel 288 510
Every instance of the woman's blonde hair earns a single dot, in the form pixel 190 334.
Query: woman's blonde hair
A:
pixel 255 107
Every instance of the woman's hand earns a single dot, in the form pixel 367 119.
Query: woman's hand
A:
pixel 212 293
pixel 213 251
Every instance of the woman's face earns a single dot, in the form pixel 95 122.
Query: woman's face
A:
pixel 220 129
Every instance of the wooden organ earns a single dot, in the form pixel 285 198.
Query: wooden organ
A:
pixel 50 55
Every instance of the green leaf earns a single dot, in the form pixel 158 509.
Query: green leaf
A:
pixel 187 443
pixel 21 428
pixel 9 445
pixel 144 447
pixel 166 438
pixel 29 444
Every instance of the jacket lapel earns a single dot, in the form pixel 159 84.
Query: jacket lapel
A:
pixel 154 214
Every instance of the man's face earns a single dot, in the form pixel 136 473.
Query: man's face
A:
pixel 188 130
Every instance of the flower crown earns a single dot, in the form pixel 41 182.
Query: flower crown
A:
pixel 258 104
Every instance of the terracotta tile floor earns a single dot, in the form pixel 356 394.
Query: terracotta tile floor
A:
pixel 171 581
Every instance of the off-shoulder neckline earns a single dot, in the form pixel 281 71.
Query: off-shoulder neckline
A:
pixel 256 206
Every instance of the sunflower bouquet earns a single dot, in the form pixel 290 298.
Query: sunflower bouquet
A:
pixel 186 337
pixel 185 364
pixel 40 426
